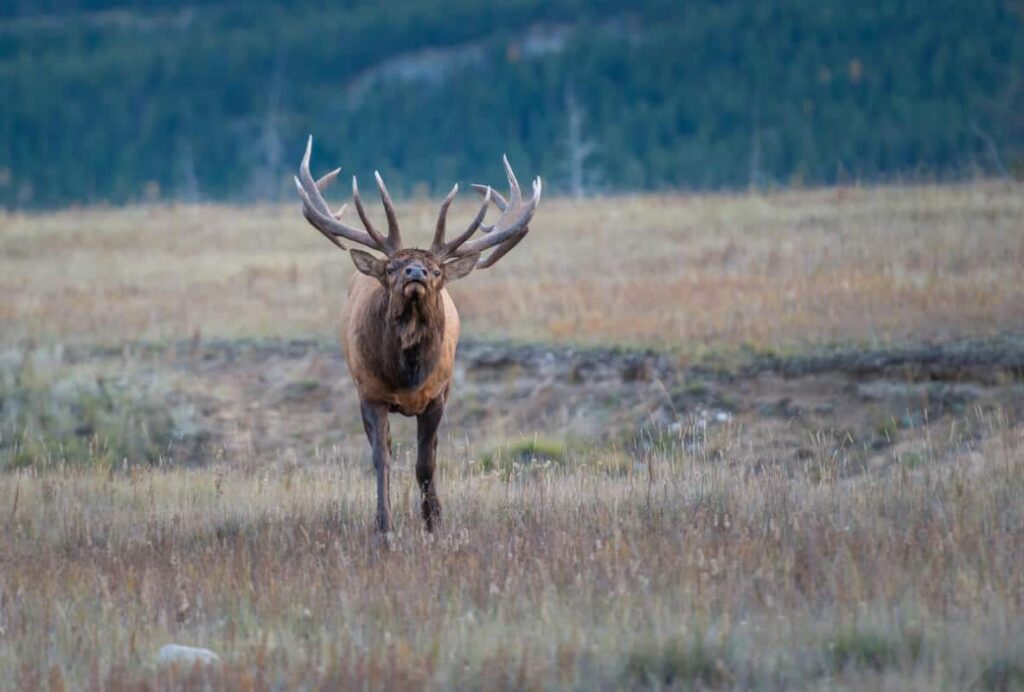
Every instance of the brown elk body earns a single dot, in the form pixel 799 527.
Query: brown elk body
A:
pixel 399 326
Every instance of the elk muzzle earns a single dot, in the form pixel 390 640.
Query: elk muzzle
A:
pixel 415 280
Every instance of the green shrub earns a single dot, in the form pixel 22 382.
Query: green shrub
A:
pixel 533 453
pixel 50 414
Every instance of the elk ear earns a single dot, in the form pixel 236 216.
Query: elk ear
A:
pixel 458 268
pixel 369 265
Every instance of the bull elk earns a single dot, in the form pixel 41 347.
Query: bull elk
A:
pixel 399 326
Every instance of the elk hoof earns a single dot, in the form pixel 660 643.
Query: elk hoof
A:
pixel 384 541
pixel 431 514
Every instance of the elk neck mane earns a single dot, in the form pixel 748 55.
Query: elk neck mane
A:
pixel 406 337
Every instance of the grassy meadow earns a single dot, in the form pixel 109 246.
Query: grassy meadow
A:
pixel 687 273
pixel 648 480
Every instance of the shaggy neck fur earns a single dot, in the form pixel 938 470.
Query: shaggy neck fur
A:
pixel 410 338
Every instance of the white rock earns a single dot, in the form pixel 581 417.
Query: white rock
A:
pixel 189 655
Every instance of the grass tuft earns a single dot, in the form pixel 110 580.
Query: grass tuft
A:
pixel 528 454
pixel 872 649
pixel 1004 674
pixel 683 663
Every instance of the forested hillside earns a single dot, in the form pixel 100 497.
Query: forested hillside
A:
pixel 103 101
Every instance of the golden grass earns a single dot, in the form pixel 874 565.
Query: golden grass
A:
pixel 781 270
pixel 683 571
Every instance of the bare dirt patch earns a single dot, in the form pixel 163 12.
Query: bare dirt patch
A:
pixel 255 403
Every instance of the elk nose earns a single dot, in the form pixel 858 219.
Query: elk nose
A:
pixel 416 273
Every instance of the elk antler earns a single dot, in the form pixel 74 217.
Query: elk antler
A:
pixel 510 228
pixel 320 216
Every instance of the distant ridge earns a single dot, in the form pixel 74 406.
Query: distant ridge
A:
pixel 106 104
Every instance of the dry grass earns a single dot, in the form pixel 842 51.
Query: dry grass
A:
pixel 710 556
pixel 685 571
pixel 689 273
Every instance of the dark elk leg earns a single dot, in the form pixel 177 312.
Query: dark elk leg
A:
pixel 426 453
pixel 378 430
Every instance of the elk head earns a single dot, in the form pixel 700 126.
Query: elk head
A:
pixel 413 278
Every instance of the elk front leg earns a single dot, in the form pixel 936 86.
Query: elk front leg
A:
pixel 378 430
pixel 426 453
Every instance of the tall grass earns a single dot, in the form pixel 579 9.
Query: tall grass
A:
pixel 682 571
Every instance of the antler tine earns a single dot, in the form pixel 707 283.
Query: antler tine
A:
pixel 370 228
pixel 515 194
pixel 325 234
pixel 450 248
pixel 394 234
pixel 442 219
pixel 502 250
pixel 323 182
pixel 505 247
pixel 329 226
pixel 496 197
pixel 327 179
pixel 306 181
pixel 316 210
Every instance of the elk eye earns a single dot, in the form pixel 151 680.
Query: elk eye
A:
pixel 437 272
pixel 391 270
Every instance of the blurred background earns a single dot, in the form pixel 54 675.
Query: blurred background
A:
pixel 112 102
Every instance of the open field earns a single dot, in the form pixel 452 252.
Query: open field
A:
pixel 770 441
pixel 694 273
